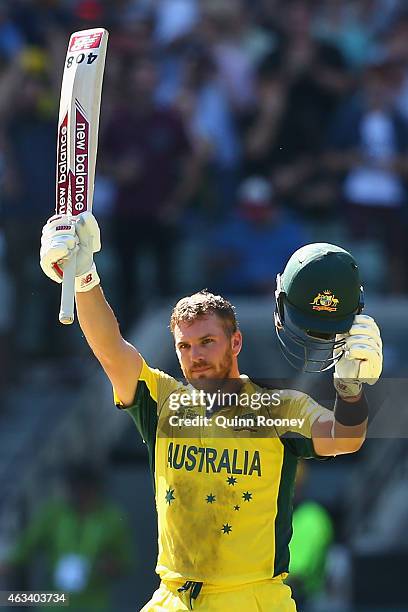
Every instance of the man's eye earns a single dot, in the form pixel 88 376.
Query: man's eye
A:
pixel 208 340
pixel 183 346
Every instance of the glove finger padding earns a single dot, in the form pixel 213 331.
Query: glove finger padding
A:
pixel 64 235
pixel 362 358
pixel 58 243
pixel 364 319
pixel 369 359
pixel 363 324
pixel 87 230
pixel 57 250
pixel 362 340
pixel 368 328
pixel 50 270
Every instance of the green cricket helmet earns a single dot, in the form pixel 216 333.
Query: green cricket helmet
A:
pixel 317 296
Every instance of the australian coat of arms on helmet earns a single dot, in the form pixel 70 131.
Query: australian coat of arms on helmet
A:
pixel 325 301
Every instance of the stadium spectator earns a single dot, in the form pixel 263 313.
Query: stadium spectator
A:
pixel 223 30
pixel 204 105
pixel 36 19
pixel 84 539
pixel 313 535
pixel 147 151
pixel 250 248
pixel 369 144
pixel 175 19
pixel 349 26
pixel 299 86
pixel 28 113
pixel 11 38
pixel 276 73
pixel 6 309
pixel 395 49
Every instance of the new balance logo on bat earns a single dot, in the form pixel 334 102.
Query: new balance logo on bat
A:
pixel 62 168
pixel 80 178
pixel 86 41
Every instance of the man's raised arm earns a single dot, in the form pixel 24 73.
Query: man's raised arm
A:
pixel 61 237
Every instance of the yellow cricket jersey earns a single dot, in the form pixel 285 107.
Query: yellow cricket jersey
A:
pixel 223 493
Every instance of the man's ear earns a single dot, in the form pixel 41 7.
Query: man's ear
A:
pixel 236 343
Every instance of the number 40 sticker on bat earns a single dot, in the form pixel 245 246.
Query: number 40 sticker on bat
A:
pixel 77 139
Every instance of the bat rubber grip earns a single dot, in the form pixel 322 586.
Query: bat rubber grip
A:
pixel 66 315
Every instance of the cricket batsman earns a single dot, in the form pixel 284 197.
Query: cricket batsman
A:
pixel 223 489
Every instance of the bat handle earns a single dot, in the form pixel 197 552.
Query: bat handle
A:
pixel 66 315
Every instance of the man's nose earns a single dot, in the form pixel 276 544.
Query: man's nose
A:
pixel 196 353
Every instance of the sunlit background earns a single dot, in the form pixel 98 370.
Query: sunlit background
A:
pixel 232 132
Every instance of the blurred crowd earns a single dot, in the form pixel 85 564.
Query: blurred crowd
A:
pixel 232 132
pixel 79 538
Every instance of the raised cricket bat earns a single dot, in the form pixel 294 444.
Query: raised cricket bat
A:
pixel 77 139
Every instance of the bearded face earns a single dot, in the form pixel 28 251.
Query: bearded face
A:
pixel 205 350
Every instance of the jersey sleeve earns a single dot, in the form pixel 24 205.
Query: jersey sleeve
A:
pixel 153 389
pixel 300 411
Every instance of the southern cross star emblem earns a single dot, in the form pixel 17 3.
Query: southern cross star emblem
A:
pixel 210 498
pixel 247 496
pixel 232 480
pixel 236 507
pixel 226 528
pixel 169 496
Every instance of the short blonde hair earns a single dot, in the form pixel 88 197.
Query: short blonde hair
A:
pixel 202 304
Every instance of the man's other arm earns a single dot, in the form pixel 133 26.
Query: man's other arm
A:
pixel 120 359
pixel 331 437
pixel 61 237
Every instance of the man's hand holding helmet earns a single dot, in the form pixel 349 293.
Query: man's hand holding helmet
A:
pixel 319 320
pixel 318 296
pixel 360 359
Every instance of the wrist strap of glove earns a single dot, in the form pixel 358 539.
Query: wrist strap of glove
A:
pixel 351 414
pixel 87 281
pixel 347 387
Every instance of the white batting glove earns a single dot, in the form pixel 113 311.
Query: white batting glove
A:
pixel 62 236
pixel 362 357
